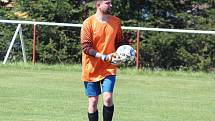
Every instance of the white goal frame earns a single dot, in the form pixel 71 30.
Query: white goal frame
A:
pixel 138 29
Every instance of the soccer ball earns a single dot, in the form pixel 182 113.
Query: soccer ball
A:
pixel 125 53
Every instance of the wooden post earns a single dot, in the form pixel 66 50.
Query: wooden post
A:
pixel 137 51
pixel 34 43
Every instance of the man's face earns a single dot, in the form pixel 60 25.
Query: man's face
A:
pixel 105 6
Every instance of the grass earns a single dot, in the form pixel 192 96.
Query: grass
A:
pixel 55 93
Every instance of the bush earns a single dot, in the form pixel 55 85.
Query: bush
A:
pixel 158 49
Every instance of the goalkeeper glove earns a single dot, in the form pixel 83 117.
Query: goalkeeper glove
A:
pixel 107 58
pixel 112 58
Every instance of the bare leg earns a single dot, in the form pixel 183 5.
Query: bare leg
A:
pixel 108 107
pixel 92 108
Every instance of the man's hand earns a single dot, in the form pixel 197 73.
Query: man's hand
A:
pixel 107 58
pixel 112 58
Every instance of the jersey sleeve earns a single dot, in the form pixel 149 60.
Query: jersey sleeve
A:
pixel 86 39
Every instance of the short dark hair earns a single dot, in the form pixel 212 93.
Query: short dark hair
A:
pixel 99 0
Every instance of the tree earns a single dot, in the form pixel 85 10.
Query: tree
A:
pixel 158 49
pixel 54 44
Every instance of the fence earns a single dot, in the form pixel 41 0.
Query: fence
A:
pixel 137 29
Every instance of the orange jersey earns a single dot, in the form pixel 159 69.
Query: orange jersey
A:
pixel 103 37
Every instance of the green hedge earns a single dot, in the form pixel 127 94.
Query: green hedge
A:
pixel 158 49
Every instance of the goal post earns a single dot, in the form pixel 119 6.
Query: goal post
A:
pixel 137 29
pixel 18 31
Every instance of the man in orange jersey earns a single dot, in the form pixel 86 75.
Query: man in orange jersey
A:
pixel 101 34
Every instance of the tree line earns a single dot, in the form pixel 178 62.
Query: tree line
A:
pixel 157 49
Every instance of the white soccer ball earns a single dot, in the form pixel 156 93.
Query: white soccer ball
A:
pixel 125 53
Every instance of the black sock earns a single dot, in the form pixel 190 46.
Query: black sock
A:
pixel 93 116
pixel 108 113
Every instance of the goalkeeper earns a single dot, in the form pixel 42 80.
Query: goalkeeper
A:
pixel 101 34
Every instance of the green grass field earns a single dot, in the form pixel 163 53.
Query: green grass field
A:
pixel 55 93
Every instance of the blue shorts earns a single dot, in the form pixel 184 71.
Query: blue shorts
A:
pixel 94 88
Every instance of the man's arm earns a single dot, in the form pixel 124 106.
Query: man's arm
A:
pixel 88 49
pixel 86 40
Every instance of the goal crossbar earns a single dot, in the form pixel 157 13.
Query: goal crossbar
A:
pixel 123 27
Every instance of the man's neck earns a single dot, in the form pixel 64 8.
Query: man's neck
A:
pixel 101 16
